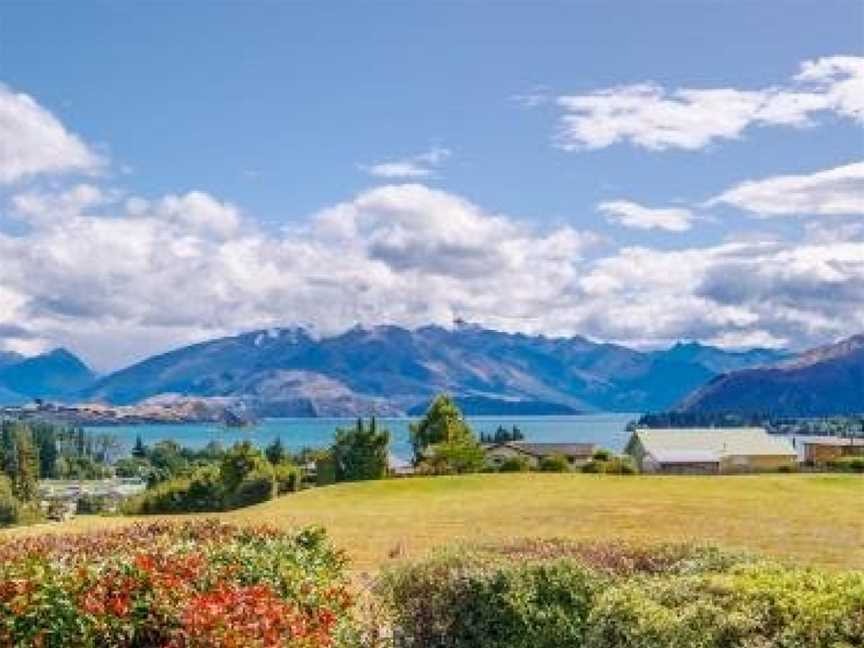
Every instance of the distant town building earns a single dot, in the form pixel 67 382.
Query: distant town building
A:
pixel 822 449
pixel 709 450
pixel 577 454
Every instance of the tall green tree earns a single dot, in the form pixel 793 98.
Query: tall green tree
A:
pixel 361 452
pixel 21 460
pixel 442 423
pixel 275 452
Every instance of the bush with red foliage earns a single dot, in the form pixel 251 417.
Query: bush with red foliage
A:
pixel 200 584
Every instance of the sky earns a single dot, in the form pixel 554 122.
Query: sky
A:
pixel 637 172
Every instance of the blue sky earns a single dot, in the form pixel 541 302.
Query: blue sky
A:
pixel 281 112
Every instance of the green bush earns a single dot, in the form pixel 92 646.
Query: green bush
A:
pixel 616 465
pixel 602 455
pixel 257 486
pixel 464 599
pixel 94 504
pixel 847 464
pixel 10 507
pixel 288 477
pixel 554 594
pixel 555 463
pixel 514 464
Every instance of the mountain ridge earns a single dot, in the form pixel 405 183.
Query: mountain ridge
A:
pixel 825 381
pixel 391 369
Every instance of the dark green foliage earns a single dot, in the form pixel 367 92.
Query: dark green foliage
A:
pixel 10 507
pixel 361 453
pixel 555 463
pixel 288 478
pixel 503 435
pixel 325 469
pixel 453 458
pixel 557 595
pixel 139 450
pixel 275 452
pixel 256 486
pixel 241 459
pixel 20 460
pixel 442 423
pixel 614 465
pixel 515 464
pixel 847 464
pixel 94 504
pixel 241 477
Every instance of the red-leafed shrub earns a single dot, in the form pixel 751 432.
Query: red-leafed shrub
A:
pixel 193 585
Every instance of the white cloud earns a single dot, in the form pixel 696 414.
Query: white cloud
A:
pixel 33 142
pixel 422 165
pixel 143 275
pixel 833 191
pixel 652 117
pixel 630 214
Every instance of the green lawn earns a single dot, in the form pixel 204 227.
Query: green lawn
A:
pixel 804 518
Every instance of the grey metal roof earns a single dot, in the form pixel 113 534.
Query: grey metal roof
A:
pixel 723 442
pixel 545 449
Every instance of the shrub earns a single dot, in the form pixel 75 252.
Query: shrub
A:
pixel 545 594
pixel 257 486
pixel 10 507
pixel 601 455
pixel 555 463
pixel 287 477
pixel 616 465
pixel 514 464
pixel 483 602
pixel 199 584
pixel 847 464
pixel 94 504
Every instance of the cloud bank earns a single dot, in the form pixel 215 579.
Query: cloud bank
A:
pixel 650 116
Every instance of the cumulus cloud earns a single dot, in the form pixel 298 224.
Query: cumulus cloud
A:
pixel 422 165
pixel 779 293
pixel 833 191
pixel 138 276
pixel 187 266
pixel 653 117
pixel 631 214
pixel 33 142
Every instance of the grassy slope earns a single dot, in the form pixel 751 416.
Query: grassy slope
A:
pixel 807 518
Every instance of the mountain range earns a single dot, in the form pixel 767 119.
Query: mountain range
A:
pixel 822 382
pixel 392 370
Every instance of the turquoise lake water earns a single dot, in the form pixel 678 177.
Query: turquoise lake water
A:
pixel 606 430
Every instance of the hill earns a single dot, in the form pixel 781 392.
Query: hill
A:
pixel 823 382
pixel 778 515
pixel 391 370
pixel 53 375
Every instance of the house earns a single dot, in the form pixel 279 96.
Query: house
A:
pixel 577 454
pixel 399 467
pixel 822 449
pixel 701 451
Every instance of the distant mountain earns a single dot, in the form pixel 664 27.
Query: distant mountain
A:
pixel 52 375
pixel 822 382
pixel 389 369
pixel 8 358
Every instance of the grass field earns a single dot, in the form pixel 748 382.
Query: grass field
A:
pixel 816 519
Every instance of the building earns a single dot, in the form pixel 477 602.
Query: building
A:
pixel 706 451
pixel 822 449
pixel 577 454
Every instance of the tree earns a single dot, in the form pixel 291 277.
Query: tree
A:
pixel 241 460
pixel 442 423
pixel 361 452
pixel 275 452
pixel 21 461
pixel 139 451
pixel 453 458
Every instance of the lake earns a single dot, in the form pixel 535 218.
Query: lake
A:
pixel 606 430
